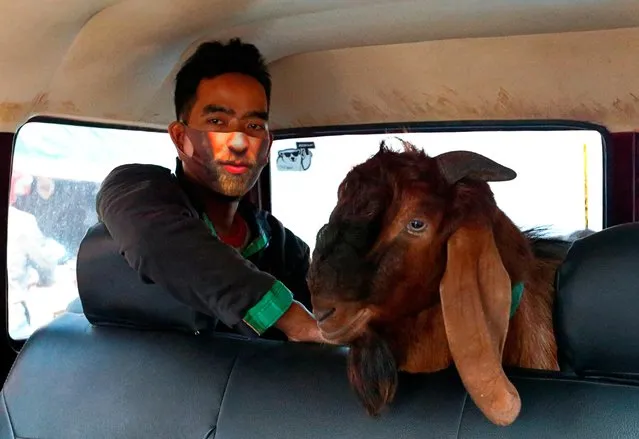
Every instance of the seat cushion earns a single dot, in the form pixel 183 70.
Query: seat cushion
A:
pixel 73 380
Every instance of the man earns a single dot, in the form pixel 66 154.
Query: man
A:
pixel 192 232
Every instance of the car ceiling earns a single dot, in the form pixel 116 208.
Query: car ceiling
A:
pixel 332 61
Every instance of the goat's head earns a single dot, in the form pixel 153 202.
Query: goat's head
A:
pixel 410 232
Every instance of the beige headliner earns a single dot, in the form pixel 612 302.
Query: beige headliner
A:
pixel 425 60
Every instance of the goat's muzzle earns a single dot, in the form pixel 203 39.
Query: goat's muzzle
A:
pixel 323 314
pixel 340 322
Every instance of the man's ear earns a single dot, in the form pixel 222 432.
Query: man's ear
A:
pixel 178 134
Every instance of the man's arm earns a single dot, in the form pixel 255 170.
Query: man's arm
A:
pixel 296 281
pixel 161 236
pixel 299 260
pixel 298 323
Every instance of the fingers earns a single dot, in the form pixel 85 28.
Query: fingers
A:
pixel 300 325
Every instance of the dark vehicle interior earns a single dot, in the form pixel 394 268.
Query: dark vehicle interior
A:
pixel 90 351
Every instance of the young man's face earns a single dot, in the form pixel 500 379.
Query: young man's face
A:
pixel 230 154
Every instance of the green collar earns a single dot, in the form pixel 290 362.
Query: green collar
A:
pixel 517 292
pixel 255 246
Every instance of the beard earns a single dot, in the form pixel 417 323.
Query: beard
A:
pixel 226 184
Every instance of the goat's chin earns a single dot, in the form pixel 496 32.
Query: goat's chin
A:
pixel 372 371
pixel 351 330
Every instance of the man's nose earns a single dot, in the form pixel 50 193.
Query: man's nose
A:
pixel 238 143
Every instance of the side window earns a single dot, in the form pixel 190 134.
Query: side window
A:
pixel 57 171
pixel 559 183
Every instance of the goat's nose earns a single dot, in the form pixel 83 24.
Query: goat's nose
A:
pixel 323 314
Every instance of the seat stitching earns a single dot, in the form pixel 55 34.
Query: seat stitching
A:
pixel 217 419
pixel 461 414
pixel 6 409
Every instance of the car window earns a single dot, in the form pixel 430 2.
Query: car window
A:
pixel 56 172
pixel 57 169
pixel 559 181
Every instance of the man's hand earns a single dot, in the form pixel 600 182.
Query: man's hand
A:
pixel 299 325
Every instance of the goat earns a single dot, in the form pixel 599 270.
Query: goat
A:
pixel 417 269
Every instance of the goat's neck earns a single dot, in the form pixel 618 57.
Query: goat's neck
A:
pixel 420 343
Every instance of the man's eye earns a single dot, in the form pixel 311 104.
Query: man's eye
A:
pixel 256 126
pixel 214 121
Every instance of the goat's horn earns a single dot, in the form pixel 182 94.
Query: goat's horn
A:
pixel 455 165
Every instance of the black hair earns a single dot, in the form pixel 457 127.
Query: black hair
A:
pixel 213 59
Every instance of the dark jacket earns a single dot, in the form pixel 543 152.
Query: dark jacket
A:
pixel 155 218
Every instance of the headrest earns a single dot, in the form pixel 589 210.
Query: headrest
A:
pixel 113 293
pixel 597 309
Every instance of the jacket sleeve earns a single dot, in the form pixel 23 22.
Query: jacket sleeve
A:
pixel 161 236
pixel 296 279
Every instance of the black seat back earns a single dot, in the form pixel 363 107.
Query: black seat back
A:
pixel 78 380
pixel 597 310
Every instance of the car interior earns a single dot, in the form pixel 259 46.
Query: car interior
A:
pixel 548 88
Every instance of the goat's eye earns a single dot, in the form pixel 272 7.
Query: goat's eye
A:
pixel 416 226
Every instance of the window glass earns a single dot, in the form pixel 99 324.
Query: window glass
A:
pixel 559 180
pixel 57 170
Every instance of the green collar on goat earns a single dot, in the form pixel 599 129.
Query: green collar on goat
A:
pixel 517 292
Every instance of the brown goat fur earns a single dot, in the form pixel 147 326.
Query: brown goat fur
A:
pixel 415 271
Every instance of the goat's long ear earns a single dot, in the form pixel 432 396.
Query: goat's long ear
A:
pixel 476 296
pixel 455 165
